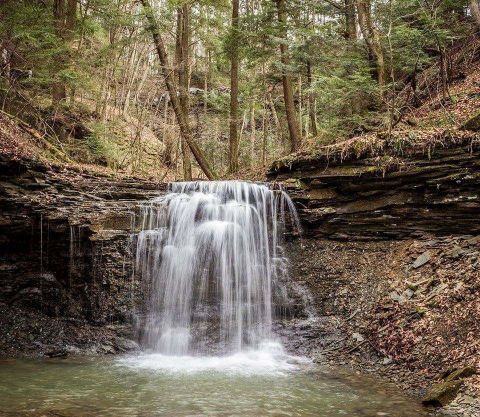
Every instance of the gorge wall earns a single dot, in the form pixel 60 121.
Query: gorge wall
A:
pixel 65 263
pixel 390 256
pixel 363 200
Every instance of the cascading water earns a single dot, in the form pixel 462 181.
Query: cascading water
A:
pixel 211 255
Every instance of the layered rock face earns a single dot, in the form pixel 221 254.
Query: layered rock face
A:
pixel 65 253
pixel 367 199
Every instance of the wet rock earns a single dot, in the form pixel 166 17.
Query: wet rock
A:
pixel 59 353
pixel 442 394
pixel 107 348
pixel 125 345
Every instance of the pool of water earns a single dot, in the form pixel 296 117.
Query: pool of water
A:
pixel 257 383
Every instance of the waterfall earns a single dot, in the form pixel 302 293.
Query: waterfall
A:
pixel 210 255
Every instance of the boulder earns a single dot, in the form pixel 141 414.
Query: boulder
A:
pixel 442 394
pixel 473 123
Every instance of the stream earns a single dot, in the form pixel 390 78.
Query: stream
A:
pixel 258 383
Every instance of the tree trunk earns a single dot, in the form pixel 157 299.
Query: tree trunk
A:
pixel 71 18
pixel 286 80
pixel 475 10
pixel 172 90
pixel 264 133
pixel 350 20
pixel 58 88
pixel 276 120
pixel 65 17
pixel 182 69
pixel 252 135
pixel 311 101
pixel 234 64
pixel 372 39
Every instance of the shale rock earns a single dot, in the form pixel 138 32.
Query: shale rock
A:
pixel 66 257
pixel 348 198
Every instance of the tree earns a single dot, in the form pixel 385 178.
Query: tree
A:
pixel 65 15
pixel 475 9
pixel 286 80
pixel 372 38
pixel 350 20
pixel 182 68
pixel 234 64
pixel 182 121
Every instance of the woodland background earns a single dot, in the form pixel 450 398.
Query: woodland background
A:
pixel 213 88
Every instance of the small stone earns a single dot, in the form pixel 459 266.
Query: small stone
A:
pixel 397 297
pixel 387 361
pixel 358 337
pixel 455 252
pixel 422 259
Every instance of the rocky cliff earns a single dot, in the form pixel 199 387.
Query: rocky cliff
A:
pixel 426 191
pixel 65 263
pixel 390 258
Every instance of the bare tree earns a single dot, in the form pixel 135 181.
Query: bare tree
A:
pixel 295 139
pixel 234 64
pixel 182 121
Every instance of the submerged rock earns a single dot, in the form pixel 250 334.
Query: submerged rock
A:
pixel 59 353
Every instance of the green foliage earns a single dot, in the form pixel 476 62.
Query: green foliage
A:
pixel 108 64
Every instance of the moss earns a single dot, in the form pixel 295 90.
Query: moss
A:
pixel 442 394
pixel 464 372
pixel 473 123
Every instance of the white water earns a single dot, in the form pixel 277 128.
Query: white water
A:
pixel 211 254
pixel 267 359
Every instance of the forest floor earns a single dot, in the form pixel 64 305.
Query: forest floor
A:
pixel 431 118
